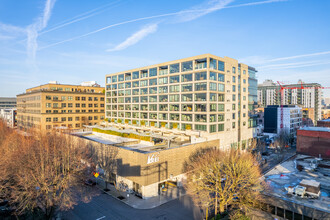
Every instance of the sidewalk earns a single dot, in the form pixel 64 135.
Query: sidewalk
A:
pixel 136 202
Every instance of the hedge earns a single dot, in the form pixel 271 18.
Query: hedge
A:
pixel 125 135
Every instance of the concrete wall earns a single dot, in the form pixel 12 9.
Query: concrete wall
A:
pixel 313 143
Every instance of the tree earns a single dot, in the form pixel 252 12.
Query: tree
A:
pixel 105 157
pixel 225 178
pixel 43 172
pixel 282 140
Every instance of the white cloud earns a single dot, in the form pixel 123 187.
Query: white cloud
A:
pixel 39 25
pixel 201 10
pixel 136 37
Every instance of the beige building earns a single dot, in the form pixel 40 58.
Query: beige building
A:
pixel 60 106
pixel 211 95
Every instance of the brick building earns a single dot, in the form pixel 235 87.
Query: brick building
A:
pixel 323 123
pixel 314 141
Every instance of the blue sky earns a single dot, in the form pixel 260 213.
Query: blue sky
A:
pixel 75 41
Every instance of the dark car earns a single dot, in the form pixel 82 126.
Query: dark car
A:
pixel 266 153
pixel 90 182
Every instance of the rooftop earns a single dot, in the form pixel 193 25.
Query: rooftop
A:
pixel 286 175
pixel 325 129
pixel 326 120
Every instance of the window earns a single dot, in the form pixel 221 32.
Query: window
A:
pixel 213 64
pixel 48 105
pixel 163 98
pixel 213 107
pixel 200 76
pixel 221 107
pixel 120 77
pixel 70 105
pixel 135 91
pixel 200 97
pixel 152 82
pixel 200 86
pixel 114 79
pixel 143 83
pixel 186 97
pixel 200 64
pixel 213 97
pixel 234 107
pixel 63 119
pixel 127 92
pixel 186 66
pixel 120 85
pixel 213 76
pixel 234 125
pixel 153 90
pixel 233 115
pixel 200 127
pixel 186 78
pixel 96 99
pixel 221 66
pixel 174 68
pixel 244 80
pixel 163 89
pixel 69 118
pixel 153 72
pixel 213 128
pixel 174 98
pixel 48 97
pixel 136 75
pixel 55 119
pixel 144 73
pixel 221 127
pixel 175 79
pixel 153 99
pixel 187 87
pixel 153 107
pixel 55 105
pixel 175 88
pixel 144 91
pixel 244 89
pixel 221 77
pixel 186 117
pixel 163 70
pixel 175 107
pixel 127 85
pixel 48 119
pixel 174 117
pixel 234 69
pixel 163 107
pixel 109 79
pixel 221 87
pixel 221 117
pixel 63 98
pixel 82 105
pixel 200 107
pixel 234 97
pixel 213 86
pixel 136 84
pixel 186 107
pixel 163 80
pixel 221 97
pixel 77 98
pixel 234 88
pixel 234 79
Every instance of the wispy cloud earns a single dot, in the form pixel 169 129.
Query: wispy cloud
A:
pixel 256 3
pixel 36 27
pixel 299 56
pixel 8 32
pixel 136 37
pixel 199 12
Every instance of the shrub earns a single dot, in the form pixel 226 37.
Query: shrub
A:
pixel 116 133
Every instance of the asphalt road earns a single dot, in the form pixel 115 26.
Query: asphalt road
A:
pixel 104 207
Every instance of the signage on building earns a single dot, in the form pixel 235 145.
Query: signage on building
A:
pixel 153 158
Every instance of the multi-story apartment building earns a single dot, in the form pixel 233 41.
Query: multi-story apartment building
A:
pixel 292 119
pixel 305 95
pixel 7 103
pixel 55 105
pixel 209 94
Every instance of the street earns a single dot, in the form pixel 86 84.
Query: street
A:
pixel 106 207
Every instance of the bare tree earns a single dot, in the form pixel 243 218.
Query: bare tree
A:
pixel 42 172
pixel 224 178
pixel 105 157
